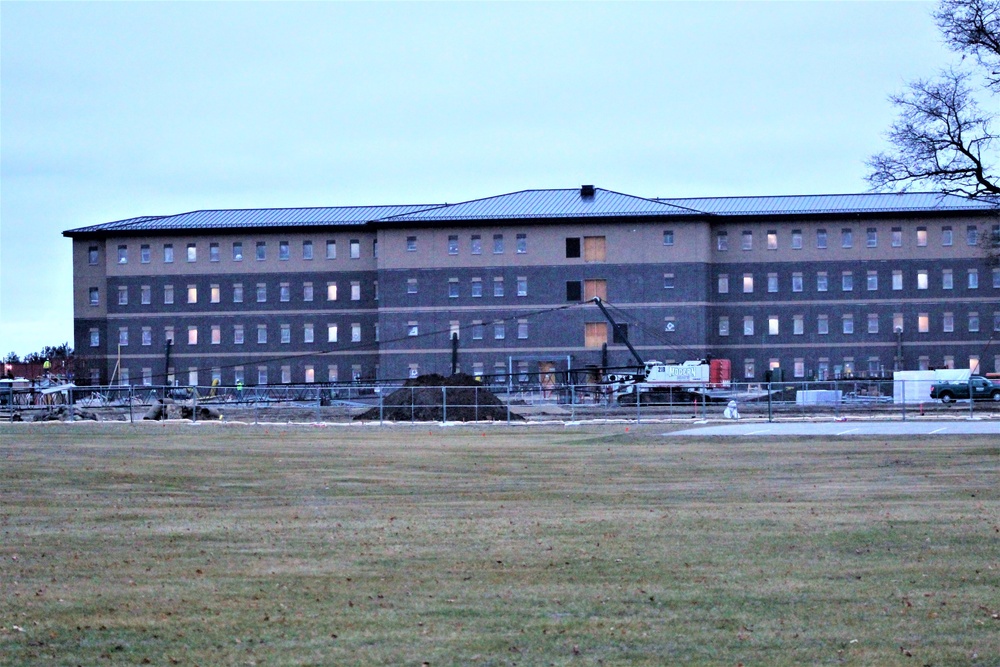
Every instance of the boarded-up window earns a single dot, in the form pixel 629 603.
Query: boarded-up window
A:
pixel 595 334
pixel 594 249
pixel 592 288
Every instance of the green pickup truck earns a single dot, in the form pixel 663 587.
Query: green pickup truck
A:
pixel 982 390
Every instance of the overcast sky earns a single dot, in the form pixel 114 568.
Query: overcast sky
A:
pixel 110 111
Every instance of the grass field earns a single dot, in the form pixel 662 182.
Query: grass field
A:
pixel 223 545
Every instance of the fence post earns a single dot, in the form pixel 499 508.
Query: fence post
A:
pixel 638 405
pixel 381 405
pixel 444 404
pixel 836 403
pixel 770 417
pixel 69 402
pixel 903 401
pixel 476 394
pixel 131 396
pixel 972 397
pixel 194 403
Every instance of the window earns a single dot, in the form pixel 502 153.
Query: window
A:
pixel 973 322
pixel 477 330
pixel 773 325
pixel 237 292
pixel 996 278
pixel 748 325
pixel 453 288
pixel 897 280
pixel 123 336
pixel 331 291
pixel 948 322
pixel 261 334
pixel 146 295
pixel 747 243
pixel 897 322
pixel 772 282
pixel 307 250
pixel 284 254
pixel 947 237
pixel 307 291
pixel 498 286
pixel 897 237
pixel 213 252
pixel 574 290
pixel 772 239
pixel 594 249
pixel 522 286
pixel 147 376
pixel 168 294
pixel 477 287
pixel 331 249
pixel 822 282
pixel 168 335
pixel 261 292
pixel 871 237
pixel 873 323
pixel 668 281
pixel 261 251
pixel 722 241
pixel 973 278
pixel 216 334
pixel 95 337
pixel 921 237
pixel 572 247
pixel 922 279
pixel 748 369
pixel 237 251
pixel 972 235
pixel 355 249
pixel 670 324
pixel 192 252
pixel 522 244
pixel 498 244
pixel 996 321
pixel 476 245
pixel 286 374
pixel 237 334
pixel 284 292
pixel 122 295
pixel 310 373
pixel 821 238
pixel 798 325
pixel 192 294
pixel 796 239
pixel 145 255
pixel 847 281
pixel 923 323
pixel 285 332
pixel 411 285
pixel 262 375
pixel 592 288
pixel 355 290
pixel 411 244
pixel 92 255
pixel 192 335
pixel 822 324
pixel 846 238
pixel 723 283
pixel 375 290
pixel 595 334
pixel 747 283
pixel 308 333
pixel 123 254
pixel 499 330
pixel 668 237
pixel 947 279
pixel 799 367
pixel 214 294
pixel 723 325
pixel 412 329
pixel 453 244
pixel 872 281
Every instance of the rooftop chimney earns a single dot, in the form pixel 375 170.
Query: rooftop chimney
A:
pixel 586 191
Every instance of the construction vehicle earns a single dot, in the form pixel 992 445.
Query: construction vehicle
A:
pixel 660 382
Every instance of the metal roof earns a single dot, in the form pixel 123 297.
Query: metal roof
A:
pixel 857 203
pixel 254 218
pixel 545 204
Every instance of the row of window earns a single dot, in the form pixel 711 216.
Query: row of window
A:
pixel 847 366
pixel 847 280
pixel 476 244
pixel 847 323
pixel 239 375
pixel 946 238
pixel 215 252
pixel 237 293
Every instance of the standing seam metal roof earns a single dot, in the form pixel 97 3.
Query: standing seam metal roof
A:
pixel 851 203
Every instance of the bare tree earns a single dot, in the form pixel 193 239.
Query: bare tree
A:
pixel 941 137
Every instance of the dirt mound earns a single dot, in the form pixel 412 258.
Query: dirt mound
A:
pixel 434 397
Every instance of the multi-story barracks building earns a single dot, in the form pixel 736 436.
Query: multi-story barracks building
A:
pixel 817 286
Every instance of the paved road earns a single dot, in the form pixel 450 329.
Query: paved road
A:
pixel 848 428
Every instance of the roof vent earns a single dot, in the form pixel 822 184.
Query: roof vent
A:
pixel 586 190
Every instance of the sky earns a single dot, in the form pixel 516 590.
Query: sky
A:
pixel 116 110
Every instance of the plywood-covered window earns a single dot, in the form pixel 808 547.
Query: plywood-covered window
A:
pixel 594 249
pixel 595 334
pixel 592 288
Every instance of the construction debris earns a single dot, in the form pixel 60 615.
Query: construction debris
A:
pixel 437 398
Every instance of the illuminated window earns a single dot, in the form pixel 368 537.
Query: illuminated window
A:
pixel 214 294
pixel 923 323
pixel 192 252
pixel 331 291
pixel 192 294
pixel 772 240
pixel 921 237
pixel 772 325
pixel 747 283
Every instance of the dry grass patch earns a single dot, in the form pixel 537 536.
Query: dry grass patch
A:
pixel 221 545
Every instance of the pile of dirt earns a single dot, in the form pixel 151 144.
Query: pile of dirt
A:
pixel 463 398
pixel 59 414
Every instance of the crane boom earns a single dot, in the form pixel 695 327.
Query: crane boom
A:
pixel 619 332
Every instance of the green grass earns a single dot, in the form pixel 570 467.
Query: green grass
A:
pixel 222 545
